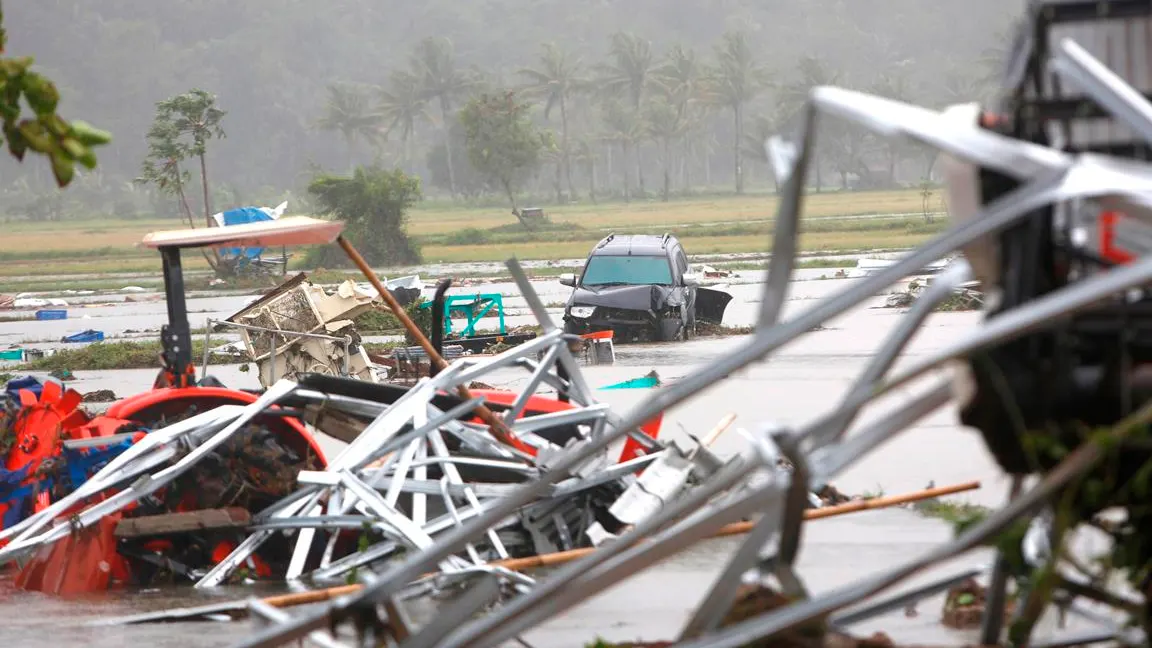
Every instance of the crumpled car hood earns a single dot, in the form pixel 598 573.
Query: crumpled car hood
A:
pixel 628 297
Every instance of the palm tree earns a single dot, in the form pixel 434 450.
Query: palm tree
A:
pixel 434 63
pixel 681 79
pixel 623 127
pixel 350 112
pixel 763 127
pixel 403 107
pixel 629 69
pixel 663 124
pixel 893 85
pixel 812 72
pixel 556 80
pixel 736 80
pixel 629 72
pixel 585 152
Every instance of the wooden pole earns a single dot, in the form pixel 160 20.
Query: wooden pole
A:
pixel 736 528
pixel 495 424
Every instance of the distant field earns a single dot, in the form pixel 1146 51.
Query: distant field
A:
pixel 451 234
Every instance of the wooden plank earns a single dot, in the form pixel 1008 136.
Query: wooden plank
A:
pixel 168 523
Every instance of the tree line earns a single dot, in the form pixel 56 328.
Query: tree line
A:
pixel 643 110
pixel 607 127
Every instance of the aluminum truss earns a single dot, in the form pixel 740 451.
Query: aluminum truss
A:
pixel 821 449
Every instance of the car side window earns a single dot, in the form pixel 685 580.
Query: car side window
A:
pixel 681 261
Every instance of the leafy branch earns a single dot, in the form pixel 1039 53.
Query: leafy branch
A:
pixel 45 132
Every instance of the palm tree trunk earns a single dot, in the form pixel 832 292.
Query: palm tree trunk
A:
pixel 592 179
pixel 640 170
pixel 350 142
pixel 557 184
pixel 737 115
pixel 685 165
pixel 407 152
pixel 567 159
pixel 624 168
pixel 444 110
pixel 667 165
pixel 706 156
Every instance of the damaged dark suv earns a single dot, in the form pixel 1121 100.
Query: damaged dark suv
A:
pixel 639 287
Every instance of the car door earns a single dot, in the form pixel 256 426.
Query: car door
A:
pixel 680 262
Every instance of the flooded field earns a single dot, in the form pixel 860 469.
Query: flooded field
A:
pixel 801 381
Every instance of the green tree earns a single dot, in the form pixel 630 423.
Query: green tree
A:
pixel 737 79
pixel 624 127
pixel 897 86
pixel 555 81
pixel 195 119
pixel 629 69
pixel 349 111
pixel 403 107
pixel 586 153
pixel 811 72
pixel 629 72
pixel 469 182
pixel 664 125
pixel 434 63
pixel 162 165
pixel 374 203
pixel 502 143
pixel 763 127
pixel 44 132
pixel 163 168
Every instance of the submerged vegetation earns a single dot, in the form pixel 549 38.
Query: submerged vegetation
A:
pixel 104 356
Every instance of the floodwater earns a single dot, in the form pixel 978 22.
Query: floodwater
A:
pixel 795 385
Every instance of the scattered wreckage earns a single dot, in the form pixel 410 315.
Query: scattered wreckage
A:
pixel 189 480
pixel 1005 182
pixel 639 287
pixel 1064 325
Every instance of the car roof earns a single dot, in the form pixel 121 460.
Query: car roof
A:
pixel 635 244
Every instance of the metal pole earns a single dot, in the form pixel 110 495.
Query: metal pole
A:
pixel 207 348
pixel 347 360
pixel 499 430
pixel 438 322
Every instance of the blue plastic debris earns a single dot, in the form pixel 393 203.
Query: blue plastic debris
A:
pixel 644 382
pixel 13 387
pixel 85 336
pixel 51 314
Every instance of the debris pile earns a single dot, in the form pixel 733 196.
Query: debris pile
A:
pixel 298 329
pixel 965 297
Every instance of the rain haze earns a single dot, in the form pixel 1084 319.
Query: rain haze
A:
pixel 637 116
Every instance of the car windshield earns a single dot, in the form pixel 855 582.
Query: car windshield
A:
pixel 627 271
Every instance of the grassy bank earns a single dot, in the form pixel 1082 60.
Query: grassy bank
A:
pixel 461 233
pixel 103 356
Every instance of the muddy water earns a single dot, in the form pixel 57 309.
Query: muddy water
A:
pixel 802 380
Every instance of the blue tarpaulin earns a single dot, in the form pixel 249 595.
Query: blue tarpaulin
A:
pixel 14 386
pixel 243 216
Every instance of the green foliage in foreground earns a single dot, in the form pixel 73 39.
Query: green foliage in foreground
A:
pixel 44 132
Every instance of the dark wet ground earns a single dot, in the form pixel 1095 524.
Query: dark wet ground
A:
pixel 801 381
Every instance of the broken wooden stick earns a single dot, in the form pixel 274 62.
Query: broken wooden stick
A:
pixel 562 557
pixel 495 424
pixel 738 528
pixel 720 428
